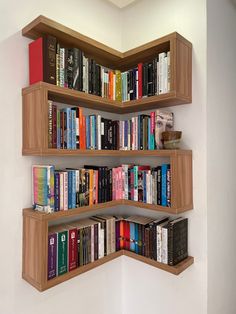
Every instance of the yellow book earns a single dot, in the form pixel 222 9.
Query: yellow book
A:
pixel 118 85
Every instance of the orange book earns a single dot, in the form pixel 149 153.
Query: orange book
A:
pixel 122 234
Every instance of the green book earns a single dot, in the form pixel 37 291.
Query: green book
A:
pixel 62 255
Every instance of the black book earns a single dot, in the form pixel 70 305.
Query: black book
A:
pixel 77 132
pixel 135 83
pixel 90 88
pixel 131 84
pixel 81 69
pixel 145 80
pixel 154 76
pixel 94 86
pixel 168 186
pixel 150 80
pixel 76 69
pixel 70 66
pixel 49 59
pixel 177 240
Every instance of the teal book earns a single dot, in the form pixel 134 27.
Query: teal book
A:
pixel 62 252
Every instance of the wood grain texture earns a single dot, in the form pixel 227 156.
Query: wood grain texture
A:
pixel 96 153
pixel 35 237
pixel 175 270
pixel 181 182
pixel 87 209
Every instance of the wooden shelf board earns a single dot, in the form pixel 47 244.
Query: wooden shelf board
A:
pixel 102 53
pixel 86 209
pixel 76 98
pixel 175 270
pixel 113 153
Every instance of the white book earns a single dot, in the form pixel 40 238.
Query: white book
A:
pixel 99 144
pixel 165 75
pixel 164 245
pixel 101 242
pixel 65 183
pixel 132 128
pixel 161 72
pixel 136 133
pixel 168 71
pixel 62 66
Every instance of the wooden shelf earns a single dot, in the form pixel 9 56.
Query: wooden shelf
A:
pixel 106 55
pixel 76 98
pixel 87 209
pixel 102 153
pixel 35 139
pixel 175 270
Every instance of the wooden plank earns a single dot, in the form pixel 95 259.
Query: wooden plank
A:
pixel 68 37
pixel 112 153
pixel 175 270
pixel 34 253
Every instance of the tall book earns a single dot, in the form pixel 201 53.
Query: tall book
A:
pixel 42 60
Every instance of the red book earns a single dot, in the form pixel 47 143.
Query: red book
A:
pixel 72 261
pixel 42 60
pixel 127 236
pixel 140 80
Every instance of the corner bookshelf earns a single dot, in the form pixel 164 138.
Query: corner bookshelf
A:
pixel 35 139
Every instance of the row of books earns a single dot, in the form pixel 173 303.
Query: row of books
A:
pixel 56 190
pixel 69 67
pixel 85 241
pixel 68 128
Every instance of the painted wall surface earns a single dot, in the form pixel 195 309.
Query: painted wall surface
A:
pixel 96 291
pixel 221 150
pixel 146 289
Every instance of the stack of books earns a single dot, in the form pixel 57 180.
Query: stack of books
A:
pixel 70 67
pixel 68 128
pixel 55 190
pixel 85 241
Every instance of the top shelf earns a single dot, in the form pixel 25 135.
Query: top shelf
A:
pixel 102 53
pixel 180 68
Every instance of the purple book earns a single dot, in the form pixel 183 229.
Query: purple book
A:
pixel 52 255
pixel 117 235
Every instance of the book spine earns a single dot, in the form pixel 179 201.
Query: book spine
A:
pixel 62 252
pixel 52 255
pixel 168 186
pixel 164 185
pixel 164 245
pixel 49 59
pixel 73 249
pixel 50 104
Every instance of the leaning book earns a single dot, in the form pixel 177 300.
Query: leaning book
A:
pixel 43 188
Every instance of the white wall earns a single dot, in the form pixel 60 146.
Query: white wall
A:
pixel 146 289
pixel 96 291
pixel 221 150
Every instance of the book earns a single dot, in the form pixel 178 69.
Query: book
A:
pixel 42 60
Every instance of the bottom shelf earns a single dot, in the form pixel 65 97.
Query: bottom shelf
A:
pixel 175 270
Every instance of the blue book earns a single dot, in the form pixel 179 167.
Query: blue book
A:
pixel 132 236
pixel 88 133
pixel 69 189
pixel 73 196
pixel 163 184
pixel 57 192
pixel 92 132
pixel 136 238
pixel 58 129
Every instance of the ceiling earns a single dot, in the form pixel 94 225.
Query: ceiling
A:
pixel 121 3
